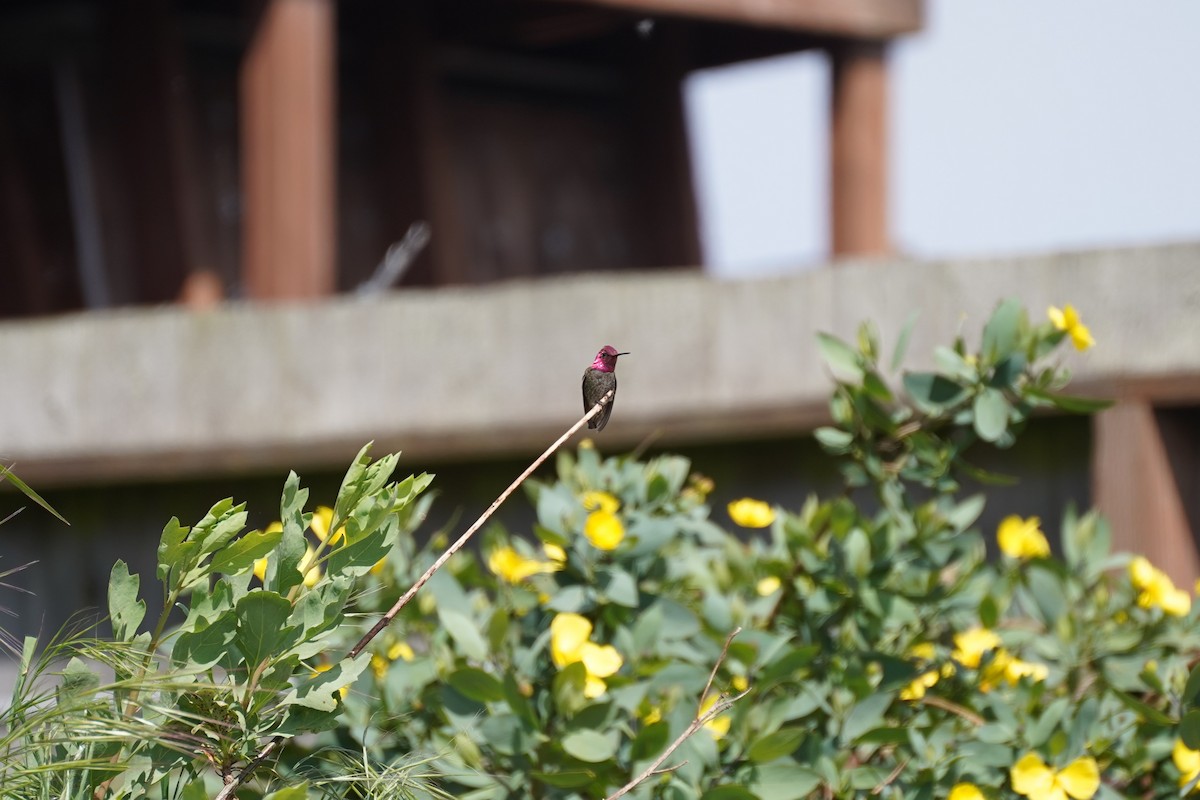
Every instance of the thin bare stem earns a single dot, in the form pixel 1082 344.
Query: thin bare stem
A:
pixel 954 708
pixel 233 782
pixel 236 780
pixel 462 540
pixel 720 660
pixel 699 722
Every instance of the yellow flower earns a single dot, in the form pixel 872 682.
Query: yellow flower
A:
pixel 965 791
pixel 600 501
pixel 924 652
pixel 342 690
pixel 751 513
pixel 309 568
pixel 260 564
pixel 1067 319
pixel 1156 590
pixel 652 716
pixel 1007 667
pixel 568 632
pixel 768 585
pixel 513 567
pixel 1022 538
pixel 719 726
pixel 380 663
pixel 569 643
pixel 1031 777
pixel 923 682
pixel 739 683
pixel 969 646
pixel 554 553
pixel 604 530
pixel 322 518
pixel 601 661
pixel 1187 761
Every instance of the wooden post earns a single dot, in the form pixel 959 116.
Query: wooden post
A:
pixel 1134 486
pixel 858 150
pixel 288 83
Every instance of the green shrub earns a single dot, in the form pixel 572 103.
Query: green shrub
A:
pixel 865 643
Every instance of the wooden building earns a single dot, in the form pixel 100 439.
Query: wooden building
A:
pixel 162 150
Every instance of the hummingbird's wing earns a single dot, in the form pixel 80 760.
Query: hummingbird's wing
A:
pixel 595 385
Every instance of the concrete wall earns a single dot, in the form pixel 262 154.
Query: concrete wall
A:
pixel 472 372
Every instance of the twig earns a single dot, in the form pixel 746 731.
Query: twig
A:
pixel 716 666
pixel 241 777
pixel 235 781
pixel 462 540
pixel 953 708
pixel 398 259
pixel 699 722
pixel 891 777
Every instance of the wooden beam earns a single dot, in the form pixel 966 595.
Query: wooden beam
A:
pixel 288 86
pixel 858 150
pixel 1134 485
pixel 855 18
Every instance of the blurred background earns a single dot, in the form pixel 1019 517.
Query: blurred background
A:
pixel 215 262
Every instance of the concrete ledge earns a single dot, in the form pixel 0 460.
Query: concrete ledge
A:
pixel 458 373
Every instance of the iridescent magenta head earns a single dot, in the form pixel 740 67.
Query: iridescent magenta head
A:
pixel 606 359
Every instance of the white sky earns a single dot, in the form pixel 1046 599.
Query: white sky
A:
pixel 1021 126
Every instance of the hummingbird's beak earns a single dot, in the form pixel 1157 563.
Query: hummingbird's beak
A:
pixel 623 354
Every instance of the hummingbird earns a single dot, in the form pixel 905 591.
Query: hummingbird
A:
pixel 598 379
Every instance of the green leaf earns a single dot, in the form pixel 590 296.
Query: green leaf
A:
pixel 730 791
pixel 465 633
pixel 1072 405
pixel 320 690
pixel 260 626
pixel 358 556
pixel 1191 689
pixel 865 715
pixel 1006 373
pixel 1189 729
pixel 174 554
pixel 650 741
pixel 6 474
pixel 240 555
pixel 1001 334
pixel 298 791
pixel 618 586
pixel 953 365
pixel 1048 593
pixel 963 515
pixel 775 745
pixel 933 392
pixel 991 414
pixel 902 340
pixel 834 440
pixel 567 688
pixel 567 778
pixel 195 790
pixel 841 358
pixel 590 746
pixel 76 680
pixel 1146 712
pixel 124 608
pixel 477 685
pixel 285 571
pixel 222 522
pixel 783 780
